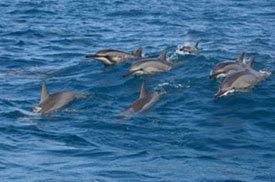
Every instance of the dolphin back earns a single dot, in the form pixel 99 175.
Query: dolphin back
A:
pixel 225 68
pixel 138 52
pixel 144 103
pixel 238 81
pixel 251 63
pixel 163 55
pixel 44 93
pixel 196 45
pixel 58 100
pixel 241 57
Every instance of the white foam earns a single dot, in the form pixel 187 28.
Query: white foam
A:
pixel 264 74
pixel 172 57
pixel 178 85
pixel 163 84
pixel 37 109
pixel 178 51
pixel 170 84
pixel 245 61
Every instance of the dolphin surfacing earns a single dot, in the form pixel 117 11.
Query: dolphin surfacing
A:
pixel 240 80
pixel 225 68
pixel 190 50
pixel 144 102
pixel 110 56
pixel 53 102
pixel 150 66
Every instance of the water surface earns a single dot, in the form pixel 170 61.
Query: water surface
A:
pixel 186 136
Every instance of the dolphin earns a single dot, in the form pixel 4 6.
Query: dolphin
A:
pixel 145 100
pixel 240 80
pixel 225 68
pixel 150 66
pixel 110 56
pixel 190 50
pixel 53 102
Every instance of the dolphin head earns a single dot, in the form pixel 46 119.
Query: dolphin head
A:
pixel 190 50
pixel 225 68
pixel 136 69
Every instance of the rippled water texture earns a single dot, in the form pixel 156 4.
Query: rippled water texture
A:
pixel 186 136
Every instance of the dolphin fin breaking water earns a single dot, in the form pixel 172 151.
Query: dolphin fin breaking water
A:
pixel 53 102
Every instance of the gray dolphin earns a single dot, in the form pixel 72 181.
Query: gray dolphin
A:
pixel 225 68
pixel 150 66
pixel 53 102
pixel 240 80
pixel 145 100
pixel 190 50
pixel 110 56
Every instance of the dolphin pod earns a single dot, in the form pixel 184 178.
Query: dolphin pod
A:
pixel 238 77
pixel 240 80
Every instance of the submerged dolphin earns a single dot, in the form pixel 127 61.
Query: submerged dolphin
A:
pixel 241 80
pixel 150 66
pixel 225 68
pixel 110 56
pixel 144 102
pixel 190 50
pixel 53 102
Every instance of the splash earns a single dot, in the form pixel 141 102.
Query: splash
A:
pixel 264 74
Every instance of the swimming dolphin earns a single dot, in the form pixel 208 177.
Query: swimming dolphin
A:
pixel 150 66
pixel 240 80
pixel 145 100
pixel 53 102
pixel 225 68
pixel 110 56
pixel 190 50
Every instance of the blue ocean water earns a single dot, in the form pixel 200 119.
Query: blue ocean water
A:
pixel 186 136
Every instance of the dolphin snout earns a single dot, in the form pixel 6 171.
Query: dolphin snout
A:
pixel 129 73
pixel 219 94
pixel 91 56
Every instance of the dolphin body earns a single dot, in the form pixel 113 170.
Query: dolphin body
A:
pixel 53 102
pixel 225 68
pixel 144 102
pixel 110 56
pixel 150 66
pixel 190 50
pixel 240 80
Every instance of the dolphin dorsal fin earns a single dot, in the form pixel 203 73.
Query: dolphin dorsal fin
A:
pixel 240 58
pixel 251 63
pixel 143 90
pixel 138 52
pixel 163 55
pixel 44 93
pixel 196 45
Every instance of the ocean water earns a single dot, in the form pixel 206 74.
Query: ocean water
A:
pixel 186 136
